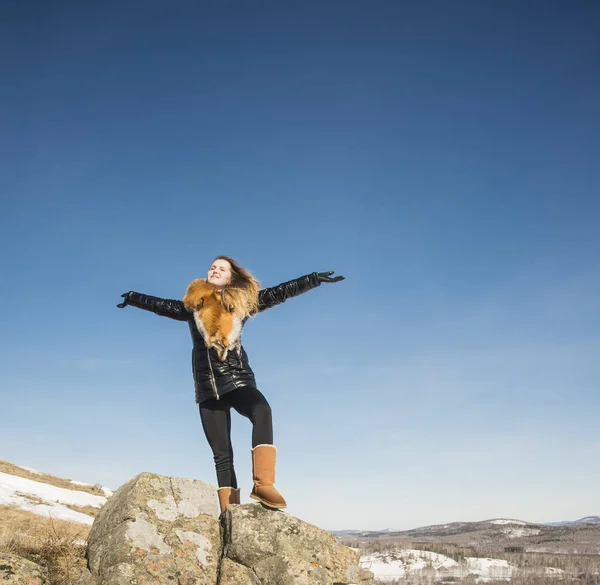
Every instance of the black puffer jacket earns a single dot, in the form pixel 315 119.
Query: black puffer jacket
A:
pixel 212 377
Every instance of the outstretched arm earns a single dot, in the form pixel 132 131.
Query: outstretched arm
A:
pixel 163 307
pixel 269 297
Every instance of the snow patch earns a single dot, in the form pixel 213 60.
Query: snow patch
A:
pixel 489 569
pixel 399 564
pixel 107 492
pixel 552 571
pixel 518 532
pixel 395 565
pixel 46 500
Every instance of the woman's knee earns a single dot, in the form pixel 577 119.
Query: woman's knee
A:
pixel 262 413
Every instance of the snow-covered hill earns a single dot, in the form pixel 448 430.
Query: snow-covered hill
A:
pixel 510 527
pixel 49 500
pixel 586 520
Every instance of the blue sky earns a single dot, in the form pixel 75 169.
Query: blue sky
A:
pixel 442 156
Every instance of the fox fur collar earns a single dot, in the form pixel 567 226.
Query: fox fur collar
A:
pixel 220 327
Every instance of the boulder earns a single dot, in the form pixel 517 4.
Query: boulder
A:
pixel 270 547
pixel 15 570
pixel 157 529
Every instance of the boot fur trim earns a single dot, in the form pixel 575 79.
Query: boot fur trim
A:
pixel 265 445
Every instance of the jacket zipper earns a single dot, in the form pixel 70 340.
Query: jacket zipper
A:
pixel 212 375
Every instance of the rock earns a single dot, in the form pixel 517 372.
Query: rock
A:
pixel 280 549
pixel 157 529
pixel 15 570
pixel 160 530
pixel 235 574
pixel 85 578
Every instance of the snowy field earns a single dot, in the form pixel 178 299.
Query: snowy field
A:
pixel 400 564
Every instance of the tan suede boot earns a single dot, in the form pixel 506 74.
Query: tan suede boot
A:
pixel 235 496
pixel 263 474
pixel 226 496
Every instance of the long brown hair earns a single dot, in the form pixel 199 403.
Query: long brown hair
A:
pixel 241 293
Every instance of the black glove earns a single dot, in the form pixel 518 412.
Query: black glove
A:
pixel 124 303
pixel 326 277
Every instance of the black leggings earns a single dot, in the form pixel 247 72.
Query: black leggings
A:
pixel 216 422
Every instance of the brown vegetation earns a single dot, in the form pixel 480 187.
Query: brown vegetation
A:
pixel 57 545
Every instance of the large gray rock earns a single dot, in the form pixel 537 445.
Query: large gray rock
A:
pixel 154 530
pixel 15 570
pixel 270 547
pixel 158 530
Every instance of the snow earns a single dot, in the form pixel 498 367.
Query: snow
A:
pixel 553 571
pixel 383 569
pixel 505 521
pixel 390 565
pixel 487 569
pixel 46 500
pixel 107 492
pixel 518 532
pixel 394 565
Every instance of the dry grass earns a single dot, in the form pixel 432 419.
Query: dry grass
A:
pixel 52 543
pixel 12 469
pixel 89 510
pixel 13 520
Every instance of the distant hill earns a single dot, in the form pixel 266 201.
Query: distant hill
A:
pixel 586 520
pixel 500 534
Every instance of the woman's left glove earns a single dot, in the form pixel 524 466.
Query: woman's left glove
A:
pixel 326 277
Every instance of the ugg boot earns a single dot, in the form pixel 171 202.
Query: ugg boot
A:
pixel 227 496
pixel 235 496
pixel 263 475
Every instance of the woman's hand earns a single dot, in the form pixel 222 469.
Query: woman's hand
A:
pixel 326 277
pixel 124 303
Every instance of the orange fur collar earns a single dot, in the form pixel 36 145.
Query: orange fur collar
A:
pixel 220 327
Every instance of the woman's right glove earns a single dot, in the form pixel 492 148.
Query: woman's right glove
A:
pixel 125 298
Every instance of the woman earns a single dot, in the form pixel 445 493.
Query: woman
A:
pixel 216 309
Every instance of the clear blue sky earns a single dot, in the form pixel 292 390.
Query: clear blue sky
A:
pixel 443 156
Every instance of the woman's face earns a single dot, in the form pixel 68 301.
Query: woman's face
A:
pixel 219 274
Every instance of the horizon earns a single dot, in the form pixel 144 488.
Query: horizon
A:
pixel 442 157
pixel 21 487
